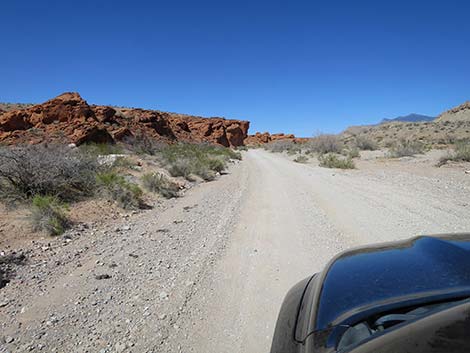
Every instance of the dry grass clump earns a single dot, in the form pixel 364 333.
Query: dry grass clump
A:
pixel 324 143
pixel 331 160
pixel 115 187
pixel 406 148
pixel 49 214
pixel 461 153
pixel 161 184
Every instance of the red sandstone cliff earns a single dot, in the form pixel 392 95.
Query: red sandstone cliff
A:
pixel 69 118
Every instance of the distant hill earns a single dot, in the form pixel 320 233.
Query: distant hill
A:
pixel 460 113
pixel 410 118
pixel 450 126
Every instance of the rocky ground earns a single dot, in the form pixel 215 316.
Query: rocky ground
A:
pixel 207 272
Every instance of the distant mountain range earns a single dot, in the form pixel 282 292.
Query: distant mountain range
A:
pixel 410 118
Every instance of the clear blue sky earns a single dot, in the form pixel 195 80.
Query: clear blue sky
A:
pixel 292 66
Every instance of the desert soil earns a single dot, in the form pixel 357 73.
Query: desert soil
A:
pixel 208 272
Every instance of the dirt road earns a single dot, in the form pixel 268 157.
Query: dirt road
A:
pixel 208 272
pixel 293 219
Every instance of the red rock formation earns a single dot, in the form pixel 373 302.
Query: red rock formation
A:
pixel 69 118
pixel 265 137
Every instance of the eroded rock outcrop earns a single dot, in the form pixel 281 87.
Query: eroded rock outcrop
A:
pixel 459 113
pixel 69 118
pixel 265 137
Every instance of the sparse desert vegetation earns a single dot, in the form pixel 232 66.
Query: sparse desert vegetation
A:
pixel 46 178
pixel 365 143
pixel 282 146
pixel 331 160
pixel 49 214
pixel 460 153
pixel 406 148
pixel 161 184
pixel 301 159
pixel 115 187
pixel 59 171
pixel 325 143
pixel 203 160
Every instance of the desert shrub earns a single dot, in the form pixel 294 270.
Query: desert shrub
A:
pixel 406 148
pixel 26 171
pixel 204 160
pixel 352 152
pixel 331 160
pixel 325 143
pixel 141 143
pixel 49 214
pixel 461 153
pixel 160 183
pixel 125 163
pixel 101 149
pixel 280 146
pixel 364 143
pixel 115 187
pixel 301 159
pixel 242 148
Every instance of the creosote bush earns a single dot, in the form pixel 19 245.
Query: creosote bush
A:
pixel 161 184
pixel 27 171
pixel 49 214
pixel 331 160
pixel 115 187
pixel 406 148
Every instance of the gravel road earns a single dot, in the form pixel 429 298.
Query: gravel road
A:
pixel 208 272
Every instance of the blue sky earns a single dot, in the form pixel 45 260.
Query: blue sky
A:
pixel 293 66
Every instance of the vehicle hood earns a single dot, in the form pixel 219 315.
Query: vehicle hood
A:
pixel 425 266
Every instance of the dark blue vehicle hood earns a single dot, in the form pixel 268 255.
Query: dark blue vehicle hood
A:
pixel 423 267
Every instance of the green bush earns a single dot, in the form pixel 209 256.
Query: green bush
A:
pixel 331 160
pixel 49 214
pixel 406 148
pixel 204 160
pixel 160 183
pixel 115 187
